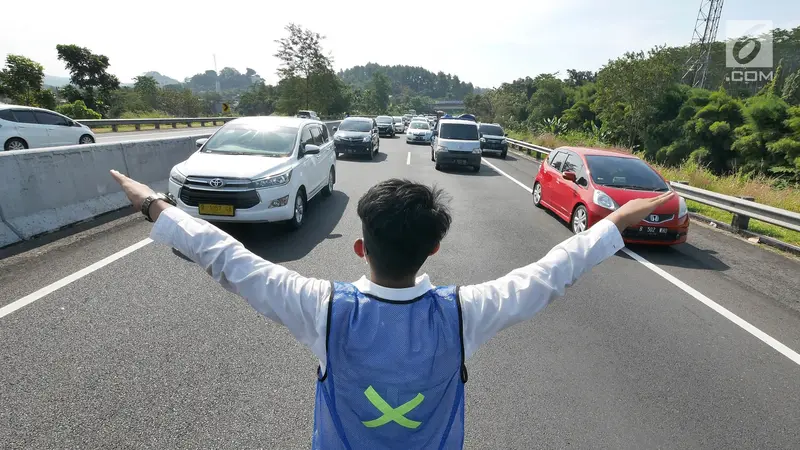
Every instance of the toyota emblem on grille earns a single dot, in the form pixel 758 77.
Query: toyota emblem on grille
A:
pixel 653 218
pixel 217 183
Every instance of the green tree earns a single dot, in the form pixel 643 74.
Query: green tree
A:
pixel 77 110
pixel 148 89
pixel 89 76
pixel 21 80
pixel 259 100
pixel 381 90
pixel 301 57
pixel 791 88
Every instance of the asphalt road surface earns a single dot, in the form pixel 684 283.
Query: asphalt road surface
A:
pixel 105 138
pixel 148 352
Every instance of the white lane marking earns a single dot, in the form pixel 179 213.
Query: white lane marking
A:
pixel 30 298
pixel 764 337
pixel 521 184
pixel 721 310
pixel 408 160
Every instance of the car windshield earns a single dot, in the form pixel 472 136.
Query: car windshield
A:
pixel 459 131
pixel 398 119
pixel 624 173
pixel 242 139
pixel 491 130
pixel 383 119
pixel 362 126
pixel 419 126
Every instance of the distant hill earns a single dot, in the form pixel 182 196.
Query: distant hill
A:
pixel 162 80
pixel 410 80
pixel 50 80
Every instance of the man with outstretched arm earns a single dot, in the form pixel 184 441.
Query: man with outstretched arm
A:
pixel 391 346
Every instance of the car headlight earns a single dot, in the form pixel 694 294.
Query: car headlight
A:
pixel 441 148
pixel 476 151
pixel 336 137
pixel 503 141
pixel 483 139
pixel 176 176
pixel 367 139
pixel 682 208
pixel 273 180
pixel 600 198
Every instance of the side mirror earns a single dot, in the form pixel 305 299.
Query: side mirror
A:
pixel 311 149
pixel 335 129
pixel 435 133
pixel 200 142
pixel 570 176
pixel 505 134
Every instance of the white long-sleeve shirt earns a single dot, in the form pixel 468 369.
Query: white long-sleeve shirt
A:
pixel 301 303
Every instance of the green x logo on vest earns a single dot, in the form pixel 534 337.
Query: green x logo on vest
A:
pixel 392 414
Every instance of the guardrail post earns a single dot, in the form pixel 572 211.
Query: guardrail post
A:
pixel 113 128
pixel 158 126
pixel 202 124
pixel 740 222
pixel 189 124
pixel 214 122
pixel 137 127
pixel 174 125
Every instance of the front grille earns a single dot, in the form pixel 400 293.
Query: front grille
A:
pixel 239 199
pixel 659 218
pixel 493 145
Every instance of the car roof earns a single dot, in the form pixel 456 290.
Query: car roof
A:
pixel 444 121
pixel 274 120
pixel 598 152
pixel 493 124
pixel 6 106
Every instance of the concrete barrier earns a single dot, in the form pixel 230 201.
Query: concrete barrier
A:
pixel 44 190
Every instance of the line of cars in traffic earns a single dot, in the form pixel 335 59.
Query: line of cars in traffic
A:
pixel 266 169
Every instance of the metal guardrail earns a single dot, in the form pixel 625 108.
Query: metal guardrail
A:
pixel 743 209
pixel 137 123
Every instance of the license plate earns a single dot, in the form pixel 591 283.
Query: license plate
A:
pixel 460 162
pixel 215 210
pixel 419 138
pixel 653 230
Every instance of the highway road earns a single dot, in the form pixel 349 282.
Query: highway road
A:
pixel 686 347
pixel 104 138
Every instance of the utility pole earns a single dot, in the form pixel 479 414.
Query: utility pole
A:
pixel 705 33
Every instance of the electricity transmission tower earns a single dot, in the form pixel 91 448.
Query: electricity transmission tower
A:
pixel 705 32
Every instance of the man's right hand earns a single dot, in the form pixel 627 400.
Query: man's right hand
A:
pixel 636 210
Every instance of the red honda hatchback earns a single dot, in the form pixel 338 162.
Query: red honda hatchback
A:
pixel 583 186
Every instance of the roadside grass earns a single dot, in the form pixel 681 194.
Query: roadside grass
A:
pixel 761 188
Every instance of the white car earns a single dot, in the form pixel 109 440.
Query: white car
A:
pixel 257 169
pixel 24 127
pixel 418 131
pixel 399 125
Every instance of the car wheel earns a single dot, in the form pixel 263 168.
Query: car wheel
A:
pixel 299 217
pixel 438 167
pixel 503 155
pixel 331 179
pixel 86 139
pixel 372 152
pixel 580 219
pixel 15 144
pixel 537 195
pixel 476 168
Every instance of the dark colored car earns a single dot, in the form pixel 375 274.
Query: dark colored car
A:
pixel 385 125
pixel 583 186
pixel 357 136
pixel 493 139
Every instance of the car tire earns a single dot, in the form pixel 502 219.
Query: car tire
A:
pixel 372 152
pixel 15 144
pixel 299 216
pixel 438 167
pixel 477 168
pixel 580 219
pixel 86 139
pixel 503 155
pixel 537 194
pixel 328 190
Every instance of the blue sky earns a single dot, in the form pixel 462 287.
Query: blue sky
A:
pixel 486 43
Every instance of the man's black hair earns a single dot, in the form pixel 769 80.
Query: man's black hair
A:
pixel 402 222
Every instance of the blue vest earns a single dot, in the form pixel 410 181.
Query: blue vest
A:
pixel 395 373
